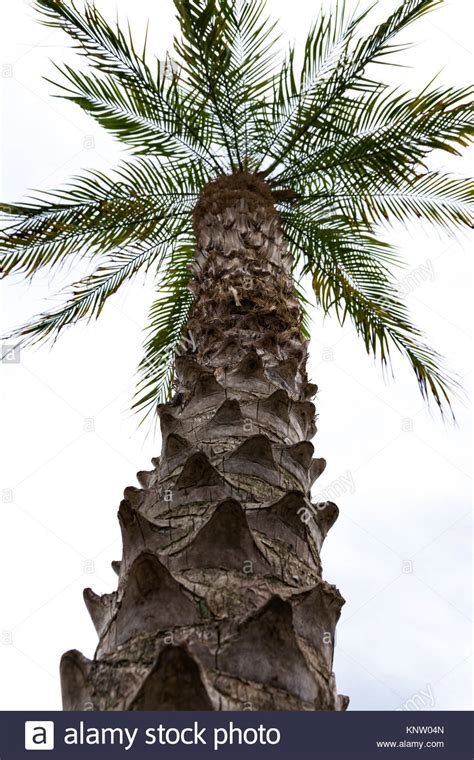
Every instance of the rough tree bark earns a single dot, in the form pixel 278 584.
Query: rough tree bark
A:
pixel 220 602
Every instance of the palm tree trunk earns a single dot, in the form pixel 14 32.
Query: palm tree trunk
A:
pixel 220 602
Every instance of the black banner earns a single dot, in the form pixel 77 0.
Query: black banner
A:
pixel 174 735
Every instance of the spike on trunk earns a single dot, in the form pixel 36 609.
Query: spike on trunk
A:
pixel 174 683
pixel 220 602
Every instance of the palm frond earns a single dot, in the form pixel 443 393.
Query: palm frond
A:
pixel 384 138
pixel 169 126
pixel 433 197
pixel 203 57
pixel 105 47
pixel 250 40
pixel 346 74
pixel 352 279
pixel 293 93
pixel 97 213
pixel 86 298
pixel 226 53
pixel 382 321
pixel 168 317
pixel 143 108
pixel 305 307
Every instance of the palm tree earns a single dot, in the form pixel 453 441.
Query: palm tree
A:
pixel 252 175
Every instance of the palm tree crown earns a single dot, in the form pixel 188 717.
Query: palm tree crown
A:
pixel 340 151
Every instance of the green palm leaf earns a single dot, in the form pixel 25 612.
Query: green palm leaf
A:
pixel 143 108
pixel 167 126
pixel 87 297
pixel 384 137
pixel 346 73
pixel 351 277
pixel 342 152
pixel 97 214
pixel 295 93
pixel 382 321
pixel 433 197
pixel 167 320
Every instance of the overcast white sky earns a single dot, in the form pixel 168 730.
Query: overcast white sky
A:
pixel 401 549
